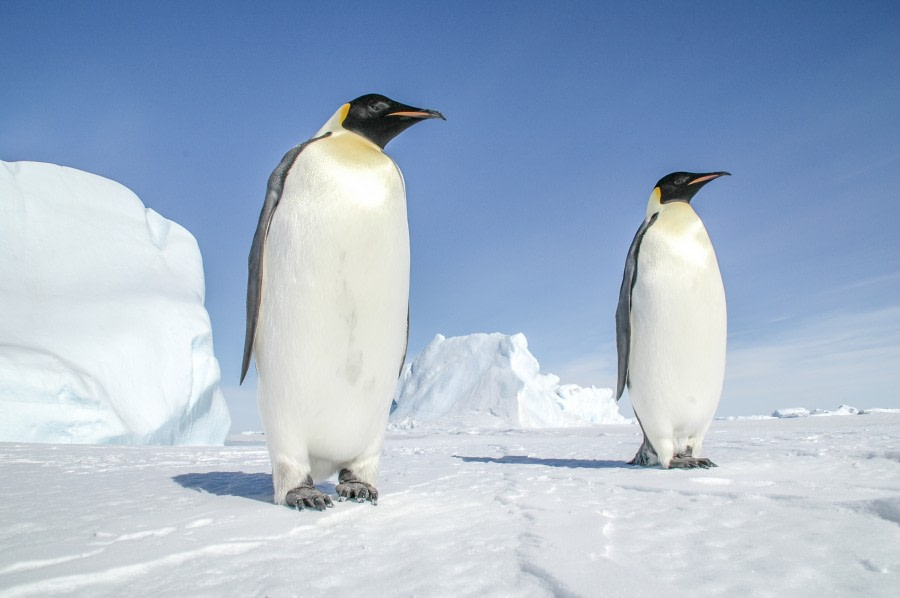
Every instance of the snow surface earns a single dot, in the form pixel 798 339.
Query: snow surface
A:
pixel 797 507
pixel 103 337
pixel 489 380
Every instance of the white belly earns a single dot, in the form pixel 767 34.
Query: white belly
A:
pixel 333 316
pixel 678 333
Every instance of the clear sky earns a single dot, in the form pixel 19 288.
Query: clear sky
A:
pixel 561 116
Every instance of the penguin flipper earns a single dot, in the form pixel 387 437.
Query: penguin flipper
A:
pixel 254 280
pixel 623 309
pixel 406 345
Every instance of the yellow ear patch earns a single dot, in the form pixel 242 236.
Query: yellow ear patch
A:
pixel 654 205
pixel 343 111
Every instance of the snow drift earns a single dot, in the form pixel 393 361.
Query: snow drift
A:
pixel 104 337
pixel 488 380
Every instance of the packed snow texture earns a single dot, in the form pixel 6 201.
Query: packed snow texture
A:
pixel 492 380
pixel 103 336
pixel 803 507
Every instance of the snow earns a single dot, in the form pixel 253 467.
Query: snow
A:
pixel 797 507
pixel 492 380
pixel 104 337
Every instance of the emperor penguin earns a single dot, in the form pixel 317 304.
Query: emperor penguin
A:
pixel 328 302
pixel 671 326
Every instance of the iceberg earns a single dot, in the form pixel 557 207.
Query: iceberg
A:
pixel 104 336
pixel 790 412
pixel 493 380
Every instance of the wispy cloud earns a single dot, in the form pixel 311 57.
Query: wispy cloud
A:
pixel 865 283
pixel 824 361
pixel 819 362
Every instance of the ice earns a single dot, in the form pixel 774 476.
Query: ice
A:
pixel 842 410
pixel 590 405
pixel 104 337
pixel 791 412
pixel 492 380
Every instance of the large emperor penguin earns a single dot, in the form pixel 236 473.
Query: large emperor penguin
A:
pixel 328 302
pixel 671 326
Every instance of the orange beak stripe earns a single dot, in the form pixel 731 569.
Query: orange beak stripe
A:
pixel 704 178
pixel 414 114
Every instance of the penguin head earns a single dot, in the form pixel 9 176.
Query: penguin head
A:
pixel 380 119
pixel 678 187
pixel 682 186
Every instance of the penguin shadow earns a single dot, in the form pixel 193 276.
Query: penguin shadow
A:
pixel 255 486
pixel 568 463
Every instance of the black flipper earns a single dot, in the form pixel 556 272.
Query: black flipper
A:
pixel 406 346
pixel 623 310
pixel 254 281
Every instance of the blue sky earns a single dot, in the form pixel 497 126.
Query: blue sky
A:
pixel 560 119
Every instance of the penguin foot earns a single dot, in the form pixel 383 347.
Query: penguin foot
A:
pixel 305 496
pixel 350 486
pixel 688 462
pixel 646 455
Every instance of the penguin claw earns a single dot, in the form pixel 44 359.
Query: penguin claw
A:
pixel 361 491
pixel 686 462
pixel 307 497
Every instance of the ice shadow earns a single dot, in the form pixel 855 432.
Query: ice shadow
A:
pixel 255 486
pixel 570 463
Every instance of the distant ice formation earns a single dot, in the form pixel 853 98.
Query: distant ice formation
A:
pixel 492 380
pixel 803 412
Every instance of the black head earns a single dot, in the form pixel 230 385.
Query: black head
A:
pixel 380 119
pixel 682 186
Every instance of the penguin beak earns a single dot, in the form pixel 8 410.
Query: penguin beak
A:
pixel 707 177
pixel 418 113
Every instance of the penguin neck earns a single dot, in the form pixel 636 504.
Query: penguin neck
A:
pixel 678 222
pixel 653 204
pixel 334 126
pixel 676 209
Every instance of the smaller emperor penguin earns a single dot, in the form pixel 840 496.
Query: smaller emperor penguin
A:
pixel 671 326
pixel 328 302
